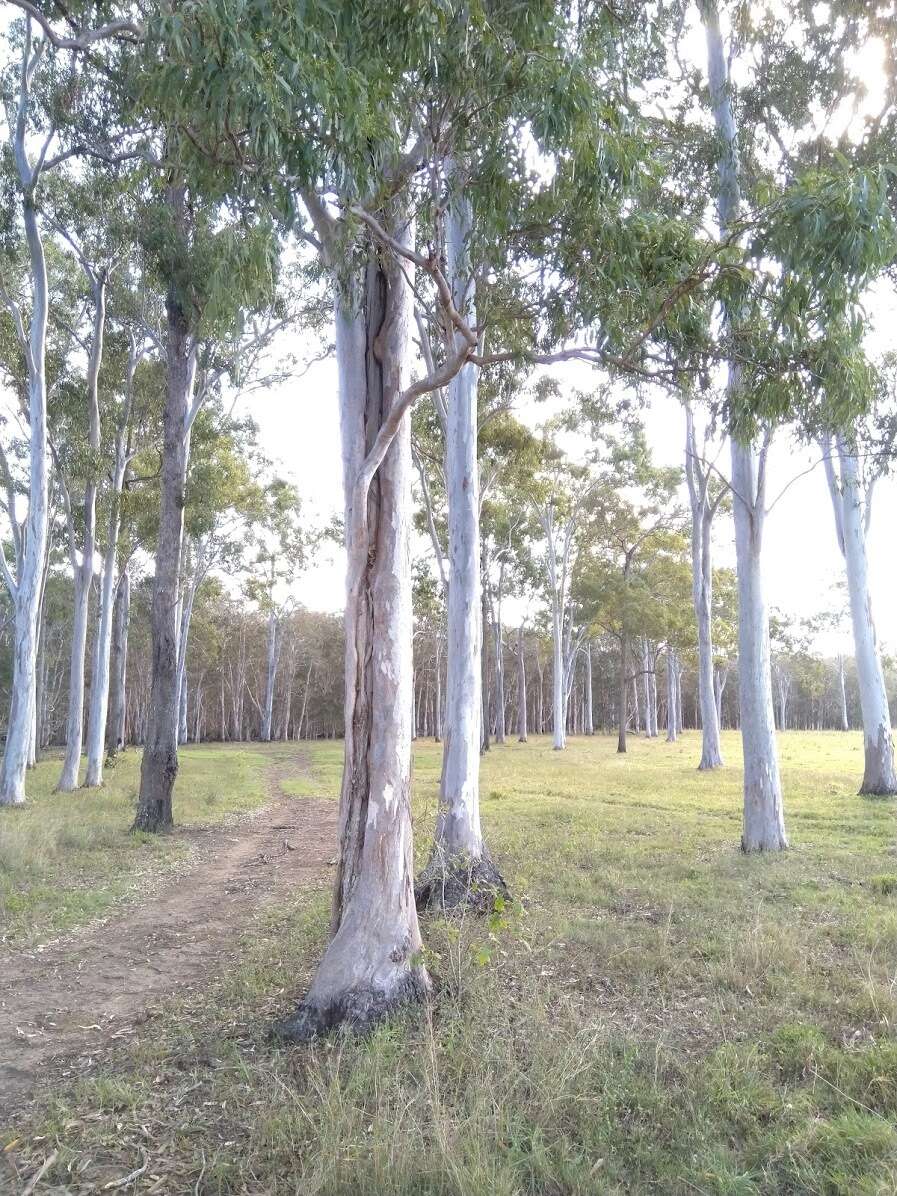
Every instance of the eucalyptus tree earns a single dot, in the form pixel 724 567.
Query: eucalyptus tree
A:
pixel 705 492
pixel 132 428
pixel 217 270
pixel 350 153
pixel 564 498
pixel 282 548
pixel 76 420
pixel 28 158
pixel 788 327
pixel 853 463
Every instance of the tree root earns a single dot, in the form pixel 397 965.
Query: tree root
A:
pixel 459 881
pixel 357 1010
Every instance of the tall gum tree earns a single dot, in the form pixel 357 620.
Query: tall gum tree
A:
pixel 460 865
pixel 764 820
pixel 31 541
pixel 83 567
pixel 852 506
pixel 704 500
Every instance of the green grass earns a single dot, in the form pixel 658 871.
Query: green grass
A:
pixel 663 1015
pixel 67 857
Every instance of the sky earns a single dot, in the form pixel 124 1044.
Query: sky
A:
pixel 299 430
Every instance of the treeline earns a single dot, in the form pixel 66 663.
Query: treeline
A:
pixel 227 678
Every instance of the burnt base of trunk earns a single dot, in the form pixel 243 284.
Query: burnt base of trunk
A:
pixel 358 1010
pixel 458 882
pixel 708 763
pixel 154 816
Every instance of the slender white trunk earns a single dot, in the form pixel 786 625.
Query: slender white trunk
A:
pixel 589 711
pixel 115 724
pixel 702 511
pixel 852 513
pixel 27 594
pixel 764 823
pixel 271 675
pixel 99 689
pixel 83 570
pixel 68 779
pixel 672 715
pixel 623 693
pixel 842 691
pixel 559 710
pixel 458 830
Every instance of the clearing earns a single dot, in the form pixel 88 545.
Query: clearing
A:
pixel 661 1015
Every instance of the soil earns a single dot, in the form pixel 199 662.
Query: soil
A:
pixel 76 997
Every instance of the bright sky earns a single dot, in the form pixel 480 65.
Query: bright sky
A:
pixel 299 428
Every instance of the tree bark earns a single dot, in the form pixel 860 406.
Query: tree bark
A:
pixel 702 511
pixel 273 654
pixel 852 510
pixel 159 766
pixel 842 693
pixel 28 586
pixel 521 687
pixel 460 870
pixel 121 614
pixel 623 691
pixel 372 963
pixel 764 822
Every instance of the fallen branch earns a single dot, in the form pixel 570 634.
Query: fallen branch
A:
pixel 40 1173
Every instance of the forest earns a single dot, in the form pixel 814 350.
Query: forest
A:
pixel 560 858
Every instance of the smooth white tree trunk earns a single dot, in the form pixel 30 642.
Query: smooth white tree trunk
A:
pixel 698 474
pixel 852 513
pixel 589 709
pixel 764 822
pixel 273 652
pixel 460 870
pixel 115 724
pixel 842 693
pixel 71 764
pixel 28 584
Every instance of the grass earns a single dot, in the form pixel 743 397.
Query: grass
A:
pixel 67 857
pixel 661 1015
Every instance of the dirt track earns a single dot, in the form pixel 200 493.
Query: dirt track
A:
pixel 80 994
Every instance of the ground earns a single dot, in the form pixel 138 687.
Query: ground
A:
pixel 657 1014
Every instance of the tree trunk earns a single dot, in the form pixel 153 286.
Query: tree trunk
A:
pixel 589 707
pixel 879 777
pixel 698 478
pixel 121 613
pixel 764 823
pixel 460 870
pixel 842 692
pixel 373 961
pixel 499 674
pixel 521 687
pixel 159 766
pixel 623 720
pixel 271 675
pixel 28 588
pixel 68 779
pixel 672 717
